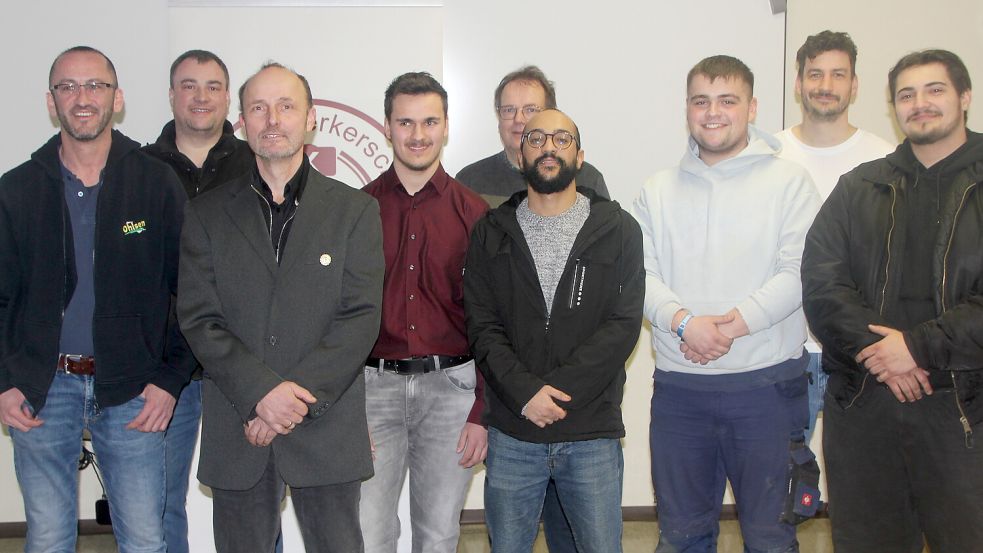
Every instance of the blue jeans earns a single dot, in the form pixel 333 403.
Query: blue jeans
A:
pixel 817 390
pixel 132 463
pixel 179 442
pixel 415 422
pixel 556 527
pixel 700 439
pixel 588 477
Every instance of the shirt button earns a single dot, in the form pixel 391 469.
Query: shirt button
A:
pixel 412 267
pixel 412 296
pixel 273 340
pixel 412 237
pixel 81 193
pixel 412 327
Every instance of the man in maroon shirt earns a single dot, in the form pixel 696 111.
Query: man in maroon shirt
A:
pixel 423 395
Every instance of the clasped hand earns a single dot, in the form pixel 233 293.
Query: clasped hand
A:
pixel 279 412
pixel 709 337
pixel 890 361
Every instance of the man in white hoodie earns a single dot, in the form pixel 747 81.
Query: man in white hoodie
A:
pixel 723 237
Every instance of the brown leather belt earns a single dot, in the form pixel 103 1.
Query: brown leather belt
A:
pixel 77 364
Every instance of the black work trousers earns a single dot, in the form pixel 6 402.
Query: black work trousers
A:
pixel 900 474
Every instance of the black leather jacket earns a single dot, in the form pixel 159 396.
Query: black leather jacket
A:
pixel 851 270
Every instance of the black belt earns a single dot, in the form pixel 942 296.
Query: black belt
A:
pixel 418 365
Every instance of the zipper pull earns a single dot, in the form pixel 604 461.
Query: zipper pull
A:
pixel 967 431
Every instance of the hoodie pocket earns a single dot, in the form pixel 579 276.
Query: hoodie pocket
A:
pixel 121 350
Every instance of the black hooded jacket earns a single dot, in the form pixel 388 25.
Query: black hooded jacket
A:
pixel 581 347
pixel 135 275
pixel 900 245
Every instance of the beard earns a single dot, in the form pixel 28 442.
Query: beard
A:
pixel 288 147
pixel 827 113
pixel 80 134
pixel 546 185
pixel 931 134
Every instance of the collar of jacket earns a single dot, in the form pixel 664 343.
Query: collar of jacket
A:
pixel 602 216
pixel 47 155
pixel 167 141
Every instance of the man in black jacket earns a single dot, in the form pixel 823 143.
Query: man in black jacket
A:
pixel 892 283
pixel 84 300
pixel 553 293
pixel 200 146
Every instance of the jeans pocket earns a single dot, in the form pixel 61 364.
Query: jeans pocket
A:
pixel 462 377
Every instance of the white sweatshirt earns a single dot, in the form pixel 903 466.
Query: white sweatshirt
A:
pixel 727 236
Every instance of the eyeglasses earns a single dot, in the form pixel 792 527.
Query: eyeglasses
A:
pixel 509 112
pixel 537 139
pixel 71 88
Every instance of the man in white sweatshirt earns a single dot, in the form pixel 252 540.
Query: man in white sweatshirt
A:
pixel 723 237
pixel 825 142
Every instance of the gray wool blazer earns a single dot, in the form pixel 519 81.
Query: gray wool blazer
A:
pixel 311 320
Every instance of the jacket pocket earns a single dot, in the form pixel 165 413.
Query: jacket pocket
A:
pixel 593 277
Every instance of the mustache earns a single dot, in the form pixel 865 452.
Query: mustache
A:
pixel 546 156
pixel 822 94
pixel 923 111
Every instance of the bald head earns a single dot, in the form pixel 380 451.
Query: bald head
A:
pixel 553 120
pixel 74 51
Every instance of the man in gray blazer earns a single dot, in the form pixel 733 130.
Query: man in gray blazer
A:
pixel 280 291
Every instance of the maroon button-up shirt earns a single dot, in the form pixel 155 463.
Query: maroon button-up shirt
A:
pixel 425 238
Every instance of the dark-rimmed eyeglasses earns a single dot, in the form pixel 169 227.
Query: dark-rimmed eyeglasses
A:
pixel 537 139
pixel 71 88
pixel 509 112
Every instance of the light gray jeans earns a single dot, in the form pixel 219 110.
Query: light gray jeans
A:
pixel 415 422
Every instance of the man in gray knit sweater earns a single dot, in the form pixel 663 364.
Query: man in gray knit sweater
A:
pixel 553 292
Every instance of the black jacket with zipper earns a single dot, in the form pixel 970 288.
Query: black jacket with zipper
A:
pixel 228 159
pixel 581 348
pixel 135 275
pixel 852 272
